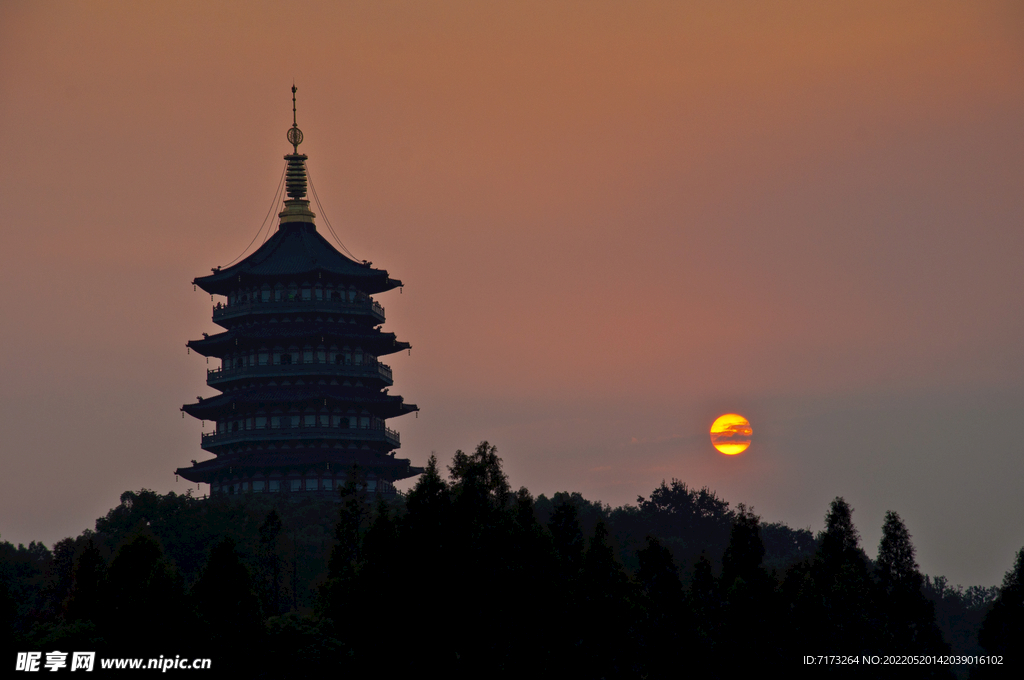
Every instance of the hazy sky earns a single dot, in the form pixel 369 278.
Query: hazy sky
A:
pixel 615 221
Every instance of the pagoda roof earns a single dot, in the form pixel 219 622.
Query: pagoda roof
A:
pixel 296 250
pixel 381 404
pixel 384 465
pixel 369 338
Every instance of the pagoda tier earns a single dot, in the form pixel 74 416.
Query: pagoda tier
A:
pixel 277 336
pixel 300 470
pixel 303 395
pixel 299 251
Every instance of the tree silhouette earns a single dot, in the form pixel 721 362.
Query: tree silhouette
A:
pixel 146 607
pixel 662 625
pixel 269 563
pixel 907 617
pixel 605 615
pixel 750 609
pixel 1002 631
pixel 85 599
pixel 840 617
pixel 705 605
pixel 228 605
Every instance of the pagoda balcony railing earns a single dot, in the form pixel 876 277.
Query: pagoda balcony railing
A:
pixel 375 433
pixel 215 376
pixel 223 311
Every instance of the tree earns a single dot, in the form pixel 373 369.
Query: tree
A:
pixel 750 611
pixel 907 617
pixel 568 543
pixel 85 598
pixel 896 567
pixel 688 521
pixel 1002 631
pixel 605 616
pixel 352 518
pixel 839 616
pixel 664 609
pixel 145 596
pixel 428 502
pixel 745 552
pixel 478 480
pixel 270 562
pixel 704 605
pixel 841 540
pixel 227 603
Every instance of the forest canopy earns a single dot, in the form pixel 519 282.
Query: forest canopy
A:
pixel 480 578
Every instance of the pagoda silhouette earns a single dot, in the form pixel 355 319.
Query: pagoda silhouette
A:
pixel 304 398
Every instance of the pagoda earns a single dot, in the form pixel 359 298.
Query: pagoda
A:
pixel 303 394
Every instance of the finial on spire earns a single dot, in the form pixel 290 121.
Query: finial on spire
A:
pixel 296 207
pixel 294 133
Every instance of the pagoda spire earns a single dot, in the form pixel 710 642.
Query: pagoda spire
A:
pixel 296 208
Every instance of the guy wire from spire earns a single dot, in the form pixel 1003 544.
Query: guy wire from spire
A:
pixel 324 215
pixel 277 200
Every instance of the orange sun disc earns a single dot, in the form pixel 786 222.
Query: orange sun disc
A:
pixel 731 434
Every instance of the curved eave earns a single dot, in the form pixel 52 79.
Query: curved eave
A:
pixel 377 403
pixel 208 471
pixel 296 250
pixel 221 344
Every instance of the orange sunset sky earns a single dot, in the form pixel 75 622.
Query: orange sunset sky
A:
pixel 615 221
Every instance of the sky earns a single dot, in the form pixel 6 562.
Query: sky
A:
pixel 615 221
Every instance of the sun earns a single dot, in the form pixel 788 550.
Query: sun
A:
pixel 731 434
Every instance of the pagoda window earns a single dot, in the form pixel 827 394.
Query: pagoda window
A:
pixel 307 356
pixel 261 422
pixel 311 484
pixel 296 484
pixel 321 356
pixel 264 357
pixel 307 294
pixel 274 485
pixel 309 420
pixel 285 359
pixel 318 292
pixel 328 484
pixel 293 293
pixel 348 358
pixel 259 486
pixel 265 296
pixel 364 423
pixel 359 358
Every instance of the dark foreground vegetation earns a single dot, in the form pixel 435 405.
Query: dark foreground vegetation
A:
pixel 468 578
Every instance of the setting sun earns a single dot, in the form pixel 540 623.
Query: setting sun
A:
pixel 731 434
